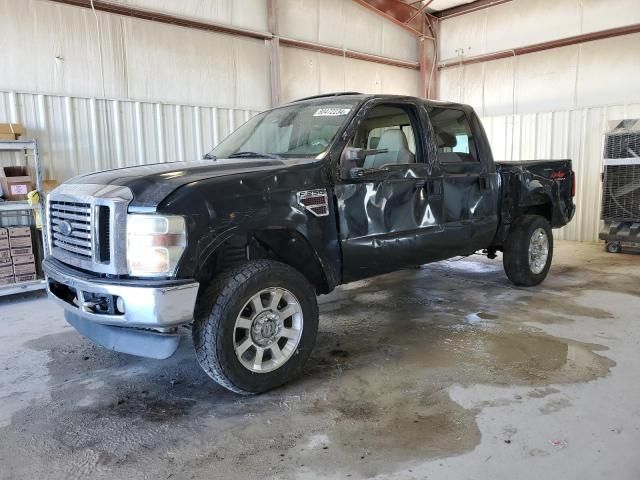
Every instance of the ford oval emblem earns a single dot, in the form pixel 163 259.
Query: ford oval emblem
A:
pixel 65 228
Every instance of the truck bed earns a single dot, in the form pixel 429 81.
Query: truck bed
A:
pixel 543 187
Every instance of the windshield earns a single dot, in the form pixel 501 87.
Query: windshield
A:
pixel 304 130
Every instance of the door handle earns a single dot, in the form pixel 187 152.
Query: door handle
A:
pixel 484 183
pixel 434 188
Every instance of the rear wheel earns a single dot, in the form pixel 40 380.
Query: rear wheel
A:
pixel 613 247
pixel 528 250
pixel 255 326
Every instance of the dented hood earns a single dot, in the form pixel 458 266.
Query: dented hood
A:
pixel 151 184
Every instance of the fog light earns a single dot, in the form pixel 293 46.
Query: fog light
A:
pixel 119 305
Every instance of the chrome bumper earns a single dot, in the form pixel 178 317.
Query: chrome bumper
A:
pixel 147 304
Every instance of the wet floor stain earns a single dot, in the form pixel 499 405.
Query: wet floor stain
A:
pixel 375 394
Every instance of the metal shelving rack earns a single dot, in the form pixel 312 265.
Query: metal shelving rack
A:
pixel 22 208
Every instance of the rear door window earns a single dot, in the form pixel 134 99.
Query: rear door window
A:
pixel 453 136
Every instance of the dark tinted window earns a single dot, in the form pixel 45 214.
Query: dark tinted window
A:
pixel 453 136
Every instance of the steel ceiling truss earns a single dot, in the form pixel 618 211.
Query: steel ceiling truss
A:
pixel 410 16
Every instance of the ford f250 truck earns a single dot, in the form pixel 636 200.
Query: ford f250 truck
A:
pixel 301 198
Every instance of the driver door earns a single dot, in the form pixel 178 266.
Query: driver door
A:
pixel 386 213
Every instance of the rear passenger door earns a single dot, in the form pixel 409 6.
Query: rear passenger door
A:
pixel 469 182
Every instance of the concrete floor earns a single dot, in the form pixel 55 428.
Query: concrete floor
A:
pixel 443 372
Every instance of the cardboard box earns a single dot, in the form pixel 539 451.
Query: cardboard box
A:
pixel 7 280
pixel 11 131
pixel 23 259
pixel 5 254
pixel 4 261
pixel 25 278
pixel 24 269
pixel 19 231
pixel 16 182
pixel 48 185
pixel 6 271
pixel 21 251
pixel 19 242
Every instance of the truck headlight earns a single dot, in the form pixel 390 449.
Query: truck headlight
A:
pixel 155 244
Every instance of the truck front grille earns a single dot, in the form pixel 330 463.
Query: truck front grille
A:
pixel 71 228
pixel 86 226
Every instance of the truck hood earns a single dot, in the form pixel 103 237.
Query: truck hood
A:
pixel 151 184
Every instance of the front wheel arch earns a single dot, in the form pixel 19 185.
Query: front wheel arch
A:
pixel 285 245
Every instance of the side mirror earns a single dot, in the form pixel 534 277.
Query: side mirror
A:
pixel 355 154
pixel 352 159
pixel 358 172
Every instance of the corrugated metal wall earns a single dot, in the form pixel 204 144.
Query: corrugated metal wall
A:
pixel 307 73
pixel 80 135
pixel 112 56
pixel 524 22
pixel 575 134
pixel 596 73
pixel 51 48
pixel 345 24
pixel 250 14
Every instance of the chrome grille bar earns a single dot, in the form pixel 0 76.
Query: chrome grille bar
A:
pixel 71 227
pixel 72 240
pixel 70 208
pixel 80 251
pixel 76 226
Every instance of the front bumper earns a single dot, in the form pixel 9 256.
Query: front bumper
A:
pixel 151 309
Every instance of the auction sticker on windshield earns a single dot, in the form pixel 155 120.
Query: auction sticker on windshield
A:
pixel 331 112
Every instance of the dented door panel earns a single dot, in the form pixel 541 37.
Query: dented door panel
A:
pixel 470 205
pixel 386 223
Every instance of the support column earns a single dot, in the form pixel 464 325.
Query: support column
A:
pixel 274 52
pixel 427 57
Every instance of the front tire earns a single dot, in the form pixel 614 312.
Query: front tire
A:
pixel 528 250
pixel 255 326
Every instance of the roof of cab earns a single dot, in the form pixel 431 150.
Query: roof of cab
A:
pixel 367 96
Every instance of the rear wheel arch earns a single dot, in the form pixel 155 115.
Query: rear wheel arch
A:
pixel 543 209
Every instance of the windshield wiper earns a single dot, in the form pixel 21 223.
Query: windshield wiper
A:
pixel 253 155
pixel 209 156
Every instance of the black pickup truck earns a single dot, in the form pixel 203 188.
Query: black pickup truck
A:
pixel 301 198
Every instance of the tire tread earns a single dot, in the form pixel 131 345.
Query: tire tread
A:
pixel 210 314
pixel 516 260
